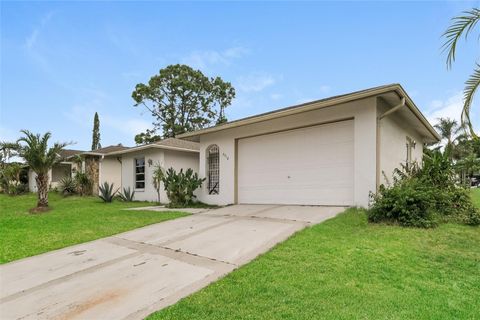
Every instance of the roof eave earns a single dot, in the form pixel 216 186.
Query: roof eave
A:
pixel 317 105
pixel 151 146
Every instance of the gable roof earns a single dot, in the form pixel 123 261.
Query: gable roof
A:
pixel 67 153
pixel 178 143
pixel 317 104
pixel 166 144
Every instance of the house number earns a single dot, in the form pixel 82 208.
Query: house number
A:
pixel 225 155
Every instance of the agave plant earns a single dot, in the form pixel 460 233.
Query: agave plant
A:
pixel 106 192
pixel 67 186
pixel 127 195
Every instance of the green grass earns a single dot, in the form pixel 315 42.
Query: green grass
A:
pixel 346 268
pixel 476 196
pixel 72 220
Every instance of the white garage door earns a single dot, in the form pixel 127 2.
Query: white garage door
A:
pixel 309 166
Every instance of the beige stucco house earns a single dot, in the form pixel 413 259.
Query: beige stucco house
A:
pixel 126 167
pixel 333 151
pixel 65 168
pixel 133 168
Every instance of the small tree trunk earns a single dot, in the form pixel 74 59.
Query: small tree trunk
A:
pixel 42 188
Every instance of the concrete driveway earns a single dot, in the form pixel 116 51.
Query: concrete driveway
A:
pixel 130 275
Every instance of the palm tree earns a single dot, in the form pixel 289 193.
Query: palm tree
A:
pixel 34 149
pixel 448 129
pixel 463 25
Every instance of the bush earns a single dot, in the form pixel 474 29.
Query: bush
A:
pixel 126 195
pixel 181 186
pixel 408 203
pixel 67 186
pixel 423 196
pixel 15 188
pixel 84 183
pixel 106 192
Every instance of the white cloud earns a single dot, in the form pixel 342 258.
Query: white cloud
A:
pixel 203 59
pixel 449 108
pixel 31 44
pixel 130 127
pixel 32 38
pixel 82 115
pixel 255 82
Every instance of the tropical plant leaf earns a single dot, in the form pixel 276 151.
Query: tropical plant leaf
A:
pixel 471 87
pixel 461 25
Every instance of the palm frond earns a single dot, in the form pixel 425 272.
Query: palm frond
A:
pixel 471 87
pixel 461 25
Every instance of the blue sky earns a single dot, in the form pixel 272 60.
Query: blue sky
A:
pixel 61 62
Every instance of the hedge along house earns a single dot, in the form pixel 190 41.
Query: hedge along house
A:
pixel 333 151
pixel 133 167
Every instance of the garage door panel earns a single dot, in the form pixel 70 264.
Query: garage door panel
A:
pixel 305 166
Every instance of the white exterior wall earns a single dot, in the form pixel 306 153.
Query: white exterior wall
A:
pixel 111 172
pixel 364 114
pixel 393 149
pixel 128 173
pixel 166 158
pixel 32 184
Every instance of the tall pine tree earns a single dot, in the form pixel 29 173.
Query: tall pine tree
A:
pixel 96 133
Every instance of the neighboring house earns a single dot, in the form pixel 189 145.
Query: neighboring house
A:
pixel 96 164
pixel 333 151
pixel 63 169
pixel 127 167
pixel 138 163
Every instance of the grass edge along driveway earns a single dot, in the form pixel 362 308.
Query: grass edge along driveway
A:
pixel 71 221
pixel 346 268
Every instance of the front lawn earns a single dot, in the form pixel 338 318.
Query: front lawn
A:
pixel 346 268
pixel 72 220
pixel 476 196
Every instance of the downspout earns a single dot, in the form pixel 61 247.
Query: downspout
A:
pixel 378 153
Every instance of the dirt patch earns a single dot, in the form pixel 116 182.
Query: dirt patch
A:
pixel 38 210
pixel 76 310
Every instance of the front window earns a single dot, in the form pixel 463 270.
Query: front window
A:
pixel 213 169
pixel 140 173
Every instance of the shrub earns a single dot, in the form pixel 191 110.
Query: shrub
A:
pixel 84 183
pixel 15 187
pixel 126 195
pixel 157 177
pixel 67 186
pixel 181 186
pixel 408 203
pixel 423 196
pixel 106 192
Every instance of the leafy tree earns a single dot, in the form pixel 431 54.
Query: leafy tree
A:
pixel 34 149
pixel 182 99
pixel 463 25
pixel 96 133
pixel 448 129
pixel 147 137
pixel 8 150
